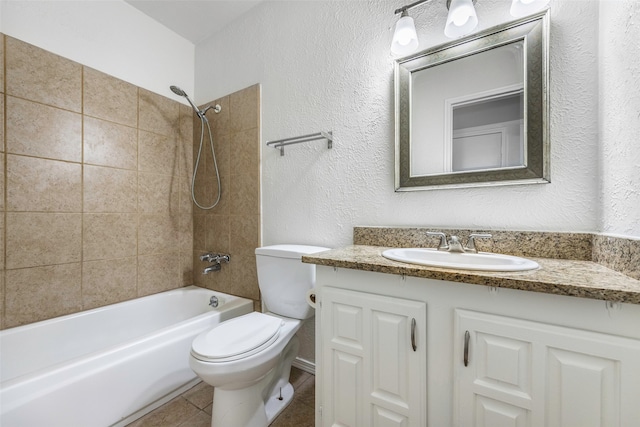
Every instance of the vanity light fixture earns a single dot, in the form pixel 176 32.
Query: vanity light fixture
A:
pixel 526 7
pixel 462 18
pixel 405 39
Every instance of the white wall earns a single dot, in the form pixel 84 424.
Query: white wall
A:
pixel 110 36
pixel 325 65
pixel 620 116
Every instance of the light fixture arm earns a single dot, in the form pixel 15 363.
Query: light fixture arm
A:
pixel 449 3
pixel 410 6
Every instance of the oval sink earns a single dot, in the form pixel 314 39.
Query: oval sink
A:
pixel 484 261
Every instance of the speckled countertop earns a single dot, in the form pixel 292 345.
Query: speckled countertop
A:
pixel 583 279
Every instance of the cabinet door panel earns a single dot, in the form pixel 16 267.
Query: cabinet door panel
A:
pixel 492 413
pixel 557 376
pixel 377 331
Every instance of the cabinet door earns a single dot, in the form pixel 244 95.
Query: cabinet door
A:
pixel 522 373
pixel 373 361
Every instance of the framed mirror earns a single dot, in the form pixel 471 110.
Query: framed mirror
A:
pixel 475 112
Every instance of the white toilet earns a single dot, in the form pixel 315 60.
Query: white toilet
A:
pixel 248 359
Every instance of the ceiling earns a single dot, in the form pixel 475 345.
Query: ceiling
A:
pixel 194 20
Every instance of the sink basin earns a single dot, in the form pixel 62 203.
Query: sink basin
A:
pixel 483 261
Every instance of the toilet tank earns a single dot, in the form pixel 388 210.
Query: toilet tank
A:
pixel 284 279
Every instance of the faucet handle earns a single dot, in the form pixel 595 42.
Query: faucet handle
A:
pixel 443 239
pixel 471 243
pixel 208 257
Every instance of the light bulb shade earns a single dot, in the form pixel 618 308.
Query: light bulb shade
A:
pixel 526 7
pixel 405 39
pixel 462 19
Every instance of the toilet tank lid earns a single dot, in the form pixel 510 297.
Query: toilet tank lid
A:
pixel 289 251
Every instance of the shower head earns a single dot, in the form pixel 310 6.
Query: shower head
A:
pixel 178 91
pixel 200 113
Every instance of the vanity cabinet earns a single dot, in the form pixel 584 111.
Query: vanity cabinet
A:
pixel 533 359
pixel 514 373
pixel 374 360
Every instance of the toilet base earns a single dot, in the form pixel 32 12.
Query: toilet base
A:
pixel 278 401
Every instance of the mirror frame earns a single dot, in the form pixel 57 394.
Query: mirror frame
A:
pixel 534 32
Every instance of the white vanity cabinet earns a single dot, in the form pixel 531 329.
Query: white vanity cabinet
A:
pixel 374 360
pixel 533 359
pixel 517 373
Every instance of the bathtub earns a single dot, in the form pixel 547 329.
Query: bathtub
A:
pixel 106 366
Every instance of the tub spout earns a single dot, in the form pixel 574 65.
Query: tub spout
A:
pixel 214 267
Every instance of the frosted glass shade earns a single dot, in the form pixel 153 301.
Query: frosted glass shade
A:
pixel 462 19
pixel 405 39
pixel 526 7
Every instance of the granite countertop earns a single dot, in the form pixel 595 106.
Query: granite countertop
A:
pixel 583 279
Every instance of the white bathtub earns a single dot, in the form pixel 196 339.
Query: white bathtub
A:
pixel 106 366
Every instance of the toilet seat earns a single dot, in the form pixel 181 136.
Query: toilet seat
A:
pixel 237 338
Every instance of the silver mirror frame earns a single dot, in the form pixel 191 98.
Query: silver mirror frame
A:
pixel 534 32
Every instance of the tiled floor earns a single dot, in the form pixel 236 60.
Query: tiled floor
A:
pixel 193 407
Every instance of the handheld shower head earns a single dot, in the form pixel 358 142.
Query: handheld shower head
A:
pixel 180 92
pixel 177 91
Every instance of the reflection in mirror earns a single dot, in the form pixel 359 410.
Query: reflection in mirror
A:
pixel 474 112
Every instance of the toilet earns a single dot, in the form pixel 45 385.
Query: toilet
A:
pixel 248 359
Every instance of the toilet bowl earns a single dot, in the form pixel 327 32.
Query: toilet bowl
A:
pixel 248 359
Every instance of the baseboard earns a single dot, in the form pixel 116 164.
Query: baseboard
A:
pixel 305 365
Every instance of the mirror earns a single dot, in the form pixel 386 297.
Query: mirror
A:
pixel 474 112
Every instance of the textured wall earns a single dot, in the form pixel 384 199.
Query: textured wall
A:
pixel 327 66
pixel 95 175
pixel 620 117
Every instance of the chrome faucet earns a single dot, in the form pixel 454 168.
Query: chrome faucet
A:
pixel 216 260
pixel 213 267
pixel 453 244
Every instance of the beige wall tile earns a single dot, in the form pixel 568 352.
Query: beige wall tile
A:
pixel 2 183
pixel 245 194
pixel 110 144
pixel 158 234
pixel 2 144
pixel 109 98
pixel 185 140
pixel 158 193
pixel 35 74
pixel 157 154
pixel 158 274
pixel 158 114
pixel 185 233
pixel 220 121
pixel 34 294
pixel 108 282
pixel 2 62
pixel 109 236
pixel 2 231
pixel 36 239
pixel 186 268
pixel 217 233
pixel 56 134
pixel 244 109
pixel 244 277
pixel 199 232
pixel 244 232
pixel 245 156
pixel 43 185
pixel 185 203
pixel 110 190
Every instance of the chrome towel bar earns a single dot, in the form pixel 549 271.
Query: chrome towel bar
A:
pixel 281 143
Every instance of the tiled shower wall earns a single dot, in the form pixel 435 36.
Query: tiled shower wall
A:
pixel 95 182
pixel 233 226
